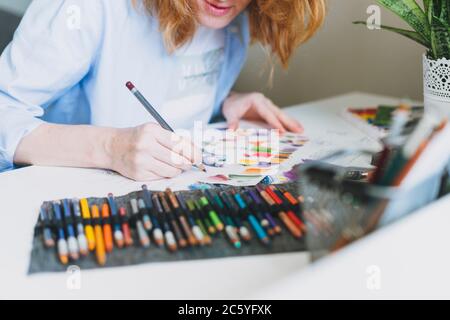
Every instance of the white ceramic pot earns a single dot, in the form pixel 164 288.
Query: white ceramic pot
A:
pixel 436 82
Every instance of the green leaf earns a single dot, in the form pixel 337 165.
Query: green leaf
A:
pixel 426 5
pixel 411 13
pixel 444 14
pixel 440 39
pixel 406 33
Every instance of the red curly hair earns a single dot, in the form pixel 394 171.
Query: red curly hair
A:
pixel 281 25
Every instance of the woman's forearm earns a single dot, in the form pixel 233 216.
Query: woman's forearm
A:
pixel 67 145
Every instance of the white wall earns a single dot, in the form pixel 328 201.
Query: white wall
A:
pixel 341 58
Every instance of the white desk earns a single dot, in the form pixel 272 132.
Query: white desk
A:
pixel 22 192
pixel 410 258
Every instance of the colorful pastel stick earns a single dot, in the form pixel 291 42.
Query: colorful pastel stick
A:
pixel 142 234
pixel 261 234
pixel 126 227
pixel 295 206
pixel 88 229
pixel 74 251
pixel 181 218
pixel 266 212
pixel 63 249
pixel 158 235
pixel 255 210
pixel 209 225
pixel 233 208
pixel 146 219
pixel 206 239
pixel 230 228
pixel 212 213
pixel 182 242
pixel 169 237
pixel 196 230
pixel 118 235
pixel 293 229
pixel 107 229
pixel 81 237
pixel 279 198
pixel 100 252
pixel 49 242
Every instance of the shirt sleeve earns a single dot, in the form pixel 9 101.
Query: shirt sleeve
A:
pixel 52 50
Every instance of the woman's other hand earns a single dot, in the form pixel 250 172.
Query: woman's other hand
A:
pixel 256 107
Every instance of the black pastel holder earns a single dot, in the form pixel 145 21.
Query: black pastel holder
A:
pixel 339 211
pixel 44 259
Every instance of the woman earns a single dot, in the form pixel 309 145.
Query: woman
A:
pixel 62 95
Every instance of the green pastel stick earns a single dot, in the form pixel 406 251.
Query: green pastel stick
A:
pixel 212 214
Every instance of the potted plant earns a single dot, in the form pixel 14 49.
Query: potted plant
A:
pixel 430 22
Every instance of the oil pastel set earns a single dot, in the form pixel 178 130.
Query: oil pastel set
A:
pixel 147 226
pixel 376 121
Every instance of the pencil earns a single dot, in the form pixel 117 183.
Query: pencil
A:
pixel 155 114
pixel 100 251
pixel 156 227
pixel 47 233
pixel 289 224
pixel 254 223
pixel 142 234
pixel 89 230
pixel 233 209
pixel 82 241
pixel 107 229
pixel 118 235
pixel 183 221
pixel 196 229
pixel 62 247
pixel 169 237
pixel 182 242
pixel 74 251
pixel 126 227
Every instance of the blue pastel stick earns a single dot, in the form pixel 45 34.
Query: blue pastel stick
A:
pixel 253 221
pixel 118 235
pixel 114 211
pixel 63 250
pixel 257 227
pixel 47 232
pixel 149 220
pixel 71 238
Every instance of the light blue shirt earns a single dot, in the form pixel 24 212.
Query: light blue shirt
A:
pixel 70 59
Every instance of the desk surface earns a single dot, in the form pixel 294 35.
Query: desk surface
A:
pixel 22 192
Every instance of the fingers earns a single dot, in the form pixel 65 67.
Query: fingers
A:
pixel 288 123
pixel 145 176
pixel 269 116
pixel 233 125
pixel 164 170
pixel 141 175
pixel 232 116
pixel 171 158
pixel 179 145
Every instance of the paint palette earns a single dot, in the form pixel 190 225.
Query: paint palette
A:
pixel 246 156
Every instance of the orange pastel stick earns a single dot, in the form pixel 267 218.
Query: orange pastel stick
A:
pixel 107 230
pixel 126 228
pixel 99 243
pixel 293 229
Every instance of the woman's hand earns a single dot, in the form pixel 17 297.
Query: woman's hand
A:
pixel 149 152
pixel 256 107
